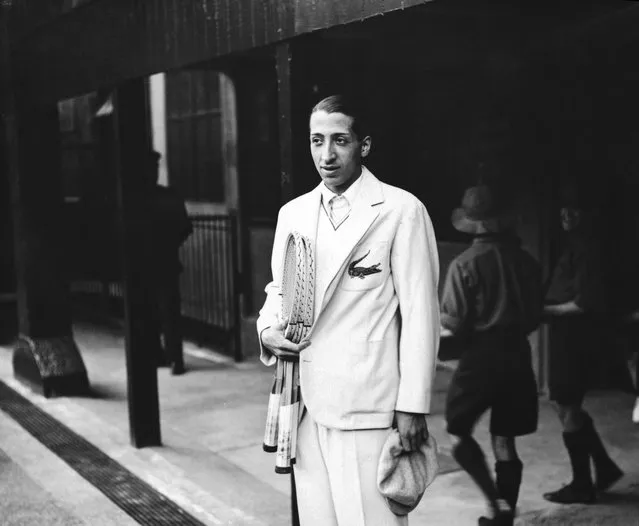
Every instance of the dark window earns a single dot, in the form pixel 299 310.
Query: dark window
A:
pixel 194 134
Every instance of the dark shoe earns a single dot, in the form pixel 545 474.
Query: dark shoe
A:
pixel 504 515
pixel 571 494
pixel 501 519
pixel 178 370
pixel 608 476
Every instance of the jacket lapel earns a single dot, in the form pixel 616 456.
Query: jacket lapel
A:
pixel 362 216
pixel 307 215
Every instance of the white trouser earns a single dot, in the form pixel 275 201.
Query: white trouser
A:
pixel 336 477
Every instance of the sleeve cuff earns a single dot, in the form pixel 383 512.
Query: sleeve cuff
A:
pixel 266 356
pixel 422 408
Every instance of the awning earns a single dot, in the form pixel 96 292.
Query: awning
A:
pixel 104 42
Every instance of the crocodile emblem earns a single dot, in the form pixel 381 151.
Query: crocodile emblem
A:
pixel 361 272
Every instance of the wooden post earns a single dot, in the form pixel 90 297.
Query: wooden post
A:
pixel 8 311
pixel 291 138
pixel 46 356
pixel 283 62
pixel 297 92
pixel 132 142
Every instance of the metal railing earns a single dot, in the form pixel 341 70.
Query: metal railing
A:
pixel 209 283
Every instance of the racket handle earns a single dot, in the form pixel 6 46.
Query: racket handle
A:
pixel 295 417
pixel 272 414
pixel 284 440
pixel 270 431
pixel 285 424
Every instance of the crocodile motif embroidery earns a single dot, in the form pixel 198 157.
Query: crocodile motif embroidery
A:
pixel 361 272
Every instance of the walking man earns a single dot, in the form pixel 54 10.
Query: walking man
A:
pixel 577 302
pixel 370 358
pixel 492 300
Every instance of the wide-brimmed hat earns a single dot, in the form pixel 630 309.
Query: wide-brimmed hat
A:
pixel 403 476
pixel 481 211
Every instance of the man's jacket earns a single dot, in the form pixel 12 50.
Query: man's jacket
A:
pixel 374 341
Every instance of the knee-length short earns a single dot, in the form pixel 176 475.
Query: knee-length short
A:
pixel 494 373
pixel 576 344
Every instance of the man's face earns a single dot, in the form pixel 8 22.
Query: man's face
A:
pixel 337 152
pixel 570 218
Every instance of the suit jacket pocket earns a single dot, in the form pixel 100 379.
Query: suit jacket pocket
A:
pixel 368 267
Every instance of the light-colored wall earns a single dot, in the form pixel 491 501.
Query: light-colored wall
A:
pixel 157 97
pixel 228 107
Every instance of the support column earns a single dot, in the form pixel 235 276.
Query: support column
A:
pixel 132 141
pixel 293 141
pixel 46 356
pixel 283 60
pixel 8 316
pixel 295 98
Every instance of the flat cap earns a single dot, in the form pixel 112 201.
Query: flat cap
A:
pixel 403 476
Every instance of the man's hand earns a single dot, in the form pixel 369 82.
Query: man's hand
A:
pixel 273 339
pixel 412 428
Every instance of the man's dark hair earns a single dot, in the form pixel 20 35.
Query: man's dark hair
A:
pixel 350 108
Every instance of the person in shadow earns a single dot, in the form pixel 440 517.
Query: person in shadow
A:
pixel 578 304
pixel 168 228
pixel 492 301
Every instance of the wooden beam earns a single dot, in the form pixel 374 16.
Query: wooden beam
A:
pixel 108 41
pixel 313 15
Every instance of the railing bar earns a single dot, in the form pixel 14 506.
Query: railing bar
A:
pixel 229 272
pixel 216 276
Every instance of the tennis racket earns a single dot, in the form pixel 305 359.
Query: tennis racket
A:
pixel 298 289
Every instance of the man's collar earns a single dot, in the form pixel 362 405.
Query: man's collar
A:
pixel 351 192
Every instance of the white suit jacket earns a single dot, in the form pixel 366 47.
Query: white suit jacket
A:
pixel 374 342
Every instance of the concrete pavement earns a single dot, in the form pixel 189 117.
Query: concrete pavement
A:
pixel 37 488
pixel 213 466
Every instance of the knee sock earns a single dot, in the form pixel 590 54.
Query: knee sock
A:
pixel 509 480
pixel 597 449
pixel 471 458
pixel 577 445
pixel 606 469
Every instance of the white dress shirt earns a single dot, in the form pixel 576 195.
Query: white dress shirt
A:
pixel 338 207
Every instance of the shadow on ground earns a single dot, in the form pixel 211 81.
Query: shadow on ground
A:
pixel 617 508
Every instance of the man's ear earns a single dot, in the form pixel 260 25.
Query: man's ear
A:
pixel 366 146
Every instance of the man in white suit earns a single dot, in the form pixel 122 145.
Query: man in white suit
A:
pixel 369 362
